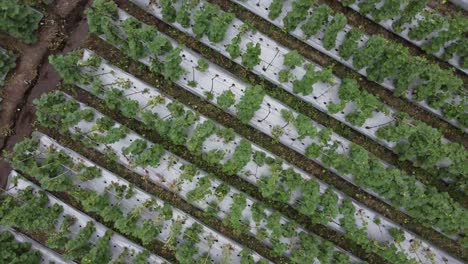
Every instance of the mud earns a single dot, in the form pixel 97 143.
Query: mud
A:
pixel 63 29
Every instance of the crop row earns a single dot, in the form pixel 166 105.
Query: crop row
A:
pixel 18 248
pixel 140 101
pixel 191 184
pixel 157 216
pixel 27 207
pixel 270 113
pixel 421 25
pixel 20 21
pixel 341 99
pixel 381 61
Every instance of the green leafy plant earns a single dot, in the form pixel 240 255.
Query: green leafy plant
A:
pixel 20 21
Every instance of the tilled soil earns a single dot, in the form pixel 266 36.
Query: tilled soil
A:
pixel 62 29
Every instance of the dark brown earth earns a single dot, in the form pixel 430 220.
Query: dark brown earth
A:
pixel 62 29
pixel 447 8
pixel 65 29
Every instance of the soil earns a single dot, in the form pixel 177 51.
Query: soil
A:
pixel 62 29
pixel 447 8
pixel 140 71
pixel 401 104
pixel 298 105
pixel 157 191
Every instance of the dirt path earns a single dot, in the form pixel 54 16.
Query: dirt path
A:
pixel 63 30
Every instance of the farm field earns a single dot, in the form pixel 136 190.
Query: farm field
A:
pixel 242 131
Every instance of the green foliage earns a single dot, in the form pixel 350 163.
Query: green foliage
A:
pixel 187 250
pixel 390 9
pixel 22 158
pixel 326 252
pixel 172 69
pixel 310 197
pixel 234 217
pixel 135 148
pixel 183 16
pixel 201 133
pixel 156 43
pixel 275 9
pixel 7 62
pixel 250 103
pixel 305 127
pixel 142 155
pixel 293 59
pixel 12 251
pixel 31 214
pixel 100 16
pixel 389 64
pixel 423 145
pixel 316 21
pixel 331 31
pixel 349 47
pixel 57 240
pixel 368 55
pixel 142 257
pixel 20 21
pixel 151 156
pixel 397 234
pixel 233 48
pixel 239 159
pixel 334 108
pixel 101 252
pixel 367 6
pixel 276 133
pixel 308 249
pixel 285 76
pixel 202 65
pixel 222 190
pixel 203 19
pixel 430 23
pixel 246 257
pixel 457 26
pixel 169 13
pixel 218 27
pixel 329 202
pixel 226 99
pixel 313 151
pixel 251 57
pixel 409 13
pixel 79 245
pixel 88 173
pixel 227 134
pixel 68 67
pixel 298 14
pixel 202 190
pixel 365 102
pixel 304 86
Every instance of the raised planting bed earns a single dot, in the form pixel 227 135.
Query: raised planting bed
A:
pixel 271 111
pixel 148 100
pixel 19 21
pixel 341 99
pixel 423 83
pixel 16 246
pixel 421 25
pixel 71 231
